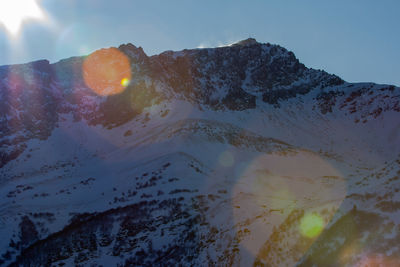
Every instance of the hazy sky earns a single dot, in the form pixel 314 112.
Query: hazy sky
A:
pixel 358 40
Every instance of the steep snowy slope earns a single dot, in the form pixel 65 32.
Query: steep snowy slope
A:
pixel 237 155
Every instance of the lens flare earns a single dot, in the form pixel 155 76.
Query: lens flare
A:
pixel 311 225
pixel 125 82
pixel 226 159
pixel 107 71
pixel 285 200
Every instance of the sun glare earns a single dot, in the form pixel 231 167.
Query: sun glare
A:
pixel 13 13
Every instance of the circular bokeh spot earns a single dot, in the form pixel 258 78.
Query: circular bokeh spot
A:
pixel 125 82
pixel 311 225
pixel 107 71
pixel 226 159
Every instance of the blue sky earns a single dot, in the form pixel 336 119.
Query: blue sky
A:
pixel 357 40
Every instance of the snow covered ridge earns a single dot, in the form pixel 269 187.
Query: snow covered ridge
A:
pixel 34 94
pixel 215 156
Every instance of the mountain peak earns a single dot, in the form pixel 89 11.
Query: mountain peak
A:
pixel 246 42
pixel 133 52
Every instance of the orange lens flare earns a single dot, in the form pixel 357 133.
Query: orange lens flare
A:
pixel 107 71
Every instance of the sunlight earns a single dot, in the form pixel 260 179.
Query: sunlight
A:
pixel 13 13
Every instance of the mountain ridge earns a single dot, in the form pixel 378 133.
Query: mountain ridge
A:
pixel 197 75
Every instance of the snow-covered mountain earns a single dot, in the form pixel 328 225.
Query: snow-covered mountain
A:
pixel 238 155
